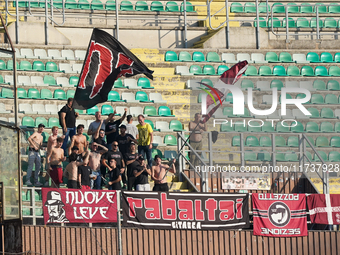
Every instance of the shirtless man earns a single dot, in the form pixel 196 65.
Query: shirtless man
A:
pixel 79 140
pixel 158 174
pixel 71 170
pixel 35 142
pixel 94 164
pixel 54 160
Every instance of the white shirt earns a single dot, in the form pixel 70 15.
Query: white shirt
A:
pixel 132 130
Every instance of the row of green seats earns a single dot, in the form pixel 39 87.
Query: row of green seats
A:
pixel 292 141
pixel 293 71
pixel 298 23
pixel 290 156
pixel 58 94
pixel 28 121
pixel 250 7
pixel 196 56
pixel 27 66
pixel 207 70
pixel 110 5
pixel 168 155
pixel 309 127
pixel 312 57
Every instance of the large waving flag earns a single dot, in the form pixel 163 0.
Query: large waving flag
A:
pixel 220 91
pixel 106 60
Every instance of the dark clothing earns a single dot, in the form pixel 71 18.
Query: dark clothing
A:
pixel 85 172
pixel 79 158
pixel 71 184
pixel 143 177
pixel 131 183
pixel 123 143
pixel 109 127
pixel 70 117
pixel 114 175
pixel 133 165
pixel 117 156
pixel 100 141
pixel 161 187
pixel 144 150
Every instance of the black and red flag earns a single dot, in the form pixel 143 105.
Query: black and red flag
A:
pixel 106 60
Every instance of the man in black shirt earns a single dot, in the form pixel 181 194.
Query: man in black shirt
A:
pixel 111 128
pixel 114 153
pixel 84 177
pixel 114 176
pixel 131 163
pixel 141 172
pixel 67 120
pixel 124 140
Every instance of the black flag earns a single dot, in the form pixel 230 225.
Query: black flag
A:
pixel 106 60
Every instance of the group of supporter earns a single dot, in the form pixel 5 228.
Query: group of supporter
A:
pixel 111 157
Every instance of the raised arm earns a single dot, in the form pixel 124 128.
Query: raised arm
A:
pixel 96 133
pixel 71 145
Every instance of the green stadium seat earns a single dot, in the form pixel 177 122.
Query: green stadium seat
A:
pixel 71 4
pixel 221 69
pixel 110 5
pixel 2 65
pixel 141 96
pixel 25 65
pixel 330 23
pixel 184 56
pixel 267 127
pixel 239 127
pixel 337 57
pixel 170 140
pixel 209 70
pixel 320 71
pixel 144 83
pixel 228 112
pixel 7 93
pixel 176 125
pixel 51 67
pixel 226 128
pixel 321 8
pixel 337 127
pixel 46 94
pixel 264 156
pixel 171 56
pixel 263 7
pixel 70 93
pixel 279 71
pixel 213 57
pixel 118 83
pixel 334 71
pixel 59 94
pixel 151 124
pixel 236 7
pixel 276 84
pixel 276 22
pixel 293 71
pixel 280 128
pixel 285 57
pixel 317 99
pixel 302 23
pixel 255 128
pixel 326 127
pixel 28 121
pixel 1 79
pixel 195 69
pixel 155 152
pixel 92 111
pixel 278 8
pixel 331 99
pixel 265 71
pixel 293 141
pixel 33 94
pixel 164 111
pixel 322 154
pixel 321 141
pixel 291 22
pixel 334 8
pixel 53 122
pixel 250 156
pixel 171 7
pixel 97 5
pixel 306 8
pixel 10 65
pixel 335 141
pixel 236 141
pixel 49 80
pixel 74 80
pixel 293 8
pixel 40 120
pixel 333 85
pixel 265 141
pixel 150 110
pixel 291 156
pixel 312 127
pixel 327 113
pixel 198 56
pixel 189 7
pixel 114 96
pixel 206 81
pixel 84 4
pixel 141 6
pixel 245 84
pixel 21 93
pixel 249 7
pixel 107 109
pixel 312 57
pixel 272 57
pixel 315 113
pixel 263 22
pixel 251 71
pixel 252 141
pixel 38 66
pixel 126 6
pixel 334 156
pixel 307 71
pixel 280 156
pixel 319 85
pixel 298 128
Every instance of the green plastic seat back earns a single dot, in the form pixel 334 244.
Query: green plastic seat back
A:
pixel 113 96
pixel 251 71
pixel 291 156
pixel 317 99
pixel 331 99
pixel 293 8
pixel 334 8
pixel 268 127
pixel 221 69
pixel 144 82
pixel 2 65
pixel 335 141
pixel 312 127
pixel 156 6
pixel 33 94
pixel 155 152
pixel 126 6
pixel 228 111
pixel 255 128
pixel 150 110
pixel 236 141
pixel 327 113
pixel 206 81
pixel 107 109
pixel 263 8
pixel 265 141
pixel 28 121
pixel 250 156
pixel 264 156
pixel 247 84
pixel 51 67
pixel 110 5
pixel 226 128
pixel 315 112
pixel 281 128
pixel 209 70
pixel 141 6
pixel 312 57
pixel 321 8
pixel 321 141
pixel 326 127
pixel 307 71
pixel 150 123
pixel 92 110
pixel 293 71
pixel 170 140
pixel 10 65
pixel 319 85
pixel 252 141
pixel 271 57
pixel 70 93
pixel 276 84
pixel 334 156
pixel 334 71
pixel 306 8
pixel 50 80
pixel 171 7
pixel 46 94
pixel 323 156
pixel 298 128
pixel 279 71
pixel 213 57
pixel 176 125
pixel 97 5
pixel 278 8
pixel 184 56
pixel 333 85
pixel 291 22
pixel 84 4
pixel 198 56
pixel 7 93
pixel 293 141
pixel 249 7
pixel 330 23
pixel 285 57
pixel 239 127
pixel 1 79
pixel 229 98
pixel 262 22
pixel 71 4
pixel 337 127
pixel 302 23
pixel 118 83
pixel 40 120
pixel 321 71
pixel 265 70
pixel 142 96
pixel 171 56
pixel 53 122
pixel 25 65
pixel 164 111
pixel 74 80
pixel 195 69
pixel 59 94
pixel 22 93
pixel 236 7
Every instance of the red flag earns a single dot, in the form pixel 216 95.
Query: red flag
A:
pixel 324 208
pixel 220 90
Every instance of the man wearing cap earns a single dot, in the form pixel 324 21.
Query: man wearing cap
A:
pixel 79 140
pixel 124 140
pixel 111 129
pixel 35 142
pixel 55 208
pixel 141 172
